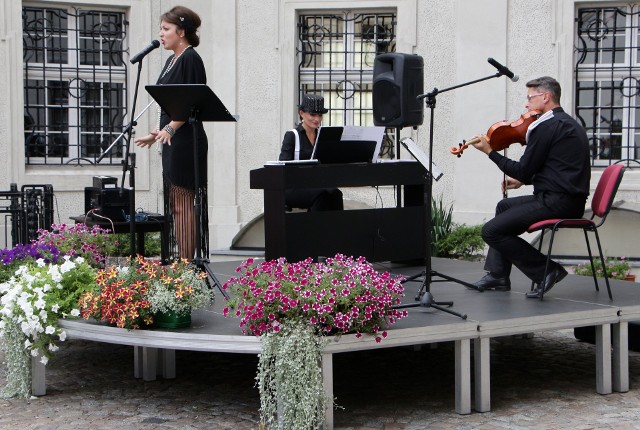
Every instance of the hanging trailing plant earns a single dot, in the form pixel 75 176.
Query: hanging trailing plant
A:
pixel 293 307
pixel 31 303
pixel 290 379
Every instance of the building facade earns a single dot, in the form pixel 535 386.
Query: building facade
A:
pixel 68 87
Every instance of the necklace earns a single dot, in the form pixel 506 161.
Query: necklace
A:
pixel 168 69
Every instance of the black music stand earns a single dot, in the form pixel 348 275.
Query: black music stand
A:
pixel 424 294
pixel 193 103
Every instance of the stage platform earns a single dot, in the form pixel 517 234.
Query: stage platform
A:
pixel 572 303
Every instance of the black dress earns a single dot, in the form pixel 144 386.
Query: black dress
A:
pixel 178 170
pixel 177 158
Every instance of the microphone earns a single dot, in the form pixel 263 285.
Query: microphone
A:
pixel 503 70
pixel 150 47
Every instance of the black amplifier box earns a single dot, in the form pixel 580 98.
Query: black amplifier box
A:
pixel 105 182
pixel 112 203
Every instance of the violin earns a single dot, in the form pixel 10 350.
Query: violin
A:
pixel 502 134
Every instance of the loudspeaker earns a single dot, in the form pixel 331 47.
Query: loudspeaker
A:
pixel 397 81
pixel 108 202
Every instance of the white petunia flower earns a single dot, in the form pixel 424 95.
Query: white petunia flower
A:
pixel 50 329
pixel 75 313
pixel 40 262
pixel 44 360
pixel 53 348
pixel 39 304
pixel 67 265
pixel 55 308
pixel 62 336
pixel 55 272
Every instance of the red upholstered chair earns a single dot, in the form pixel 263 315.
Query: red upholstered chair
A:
pixel 601 202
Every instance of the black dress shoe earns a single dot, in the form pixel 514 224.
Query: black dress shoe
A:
pixel 555 276
pixel 492 282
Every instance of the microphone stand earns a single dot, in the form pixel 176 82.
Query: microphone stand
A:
pixel 424 296
pixel 129 166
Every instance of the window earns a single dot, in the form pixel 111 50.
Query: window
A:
pixel 75 84
pixel 335 55
pixel 607 67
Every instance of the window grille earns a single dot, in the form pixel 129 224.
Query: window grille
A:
pixel 335 55
pixel 75 84
pixel 606 78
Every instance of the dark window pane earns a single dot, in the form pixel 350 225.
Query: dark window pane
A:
pixel 75 94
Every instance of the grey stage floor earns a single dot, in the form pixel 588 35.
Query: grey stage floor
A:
pixel 542 382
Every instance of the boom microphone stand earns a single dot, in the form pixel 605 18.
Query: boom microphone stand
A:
pixel 424 295
pixel 193 103
pixel 129 165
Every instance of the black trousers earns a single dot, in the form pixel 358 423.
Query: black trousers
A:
pixel 314 199
pixel 513 217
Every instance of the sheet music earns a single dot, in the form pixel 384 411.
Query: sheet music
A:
pixel 292 162
pixel 358 133
pixel 423 158
pixel 351 132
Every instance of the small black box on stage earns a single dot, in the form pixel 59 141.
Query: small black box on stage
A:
pixel 105 182
pixel 112 203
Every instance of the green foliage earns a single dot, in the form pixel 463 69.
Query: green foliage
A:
pixel 441 223
pixel 463 241
pixel 451 240
pixel 122 248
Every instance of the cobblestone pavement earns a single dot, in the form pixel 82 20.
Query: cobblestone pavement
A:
pixel 544 382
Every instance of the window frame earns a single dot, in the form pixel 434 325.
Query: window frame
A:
pixel 288 38
pixel 76 132
pixel 600 79
pixel 68 179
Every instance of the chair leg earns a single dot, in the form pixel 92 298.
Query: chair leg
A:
pixel 546 268
pixel 593 267
pixel 604 266
pixel 533 284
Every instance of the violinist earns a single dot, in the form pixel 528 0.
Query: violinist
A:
pixel 556 161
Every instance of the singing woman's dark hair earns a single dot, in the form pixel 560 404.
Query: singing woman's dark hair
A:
pixel 186 19
pixel 548 84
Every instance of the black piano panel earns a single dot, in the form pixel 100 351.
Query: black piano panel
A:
pixel 384 234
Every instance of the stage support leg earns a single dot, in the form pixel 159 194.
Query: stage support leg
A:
pixel 327 380
pixel 620 334
pixel 145 362
pixel 137 362
pixel 482 366
pixel 167 359
pixel 38 377
pixel 603 359
pixel 463 376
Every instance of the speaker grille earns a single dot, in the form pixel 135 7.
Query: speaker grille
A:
pixel 386 102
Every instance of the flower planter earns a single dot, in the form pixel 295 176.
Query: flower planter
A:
pixel 171 320
pixel 631 278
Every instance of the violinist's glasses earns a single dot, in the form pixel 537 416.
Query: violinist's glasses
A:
pixel 529 97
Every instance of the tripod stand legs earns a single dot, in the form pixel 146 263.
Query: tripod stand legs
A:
pixel 425 298
pixel 211 277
